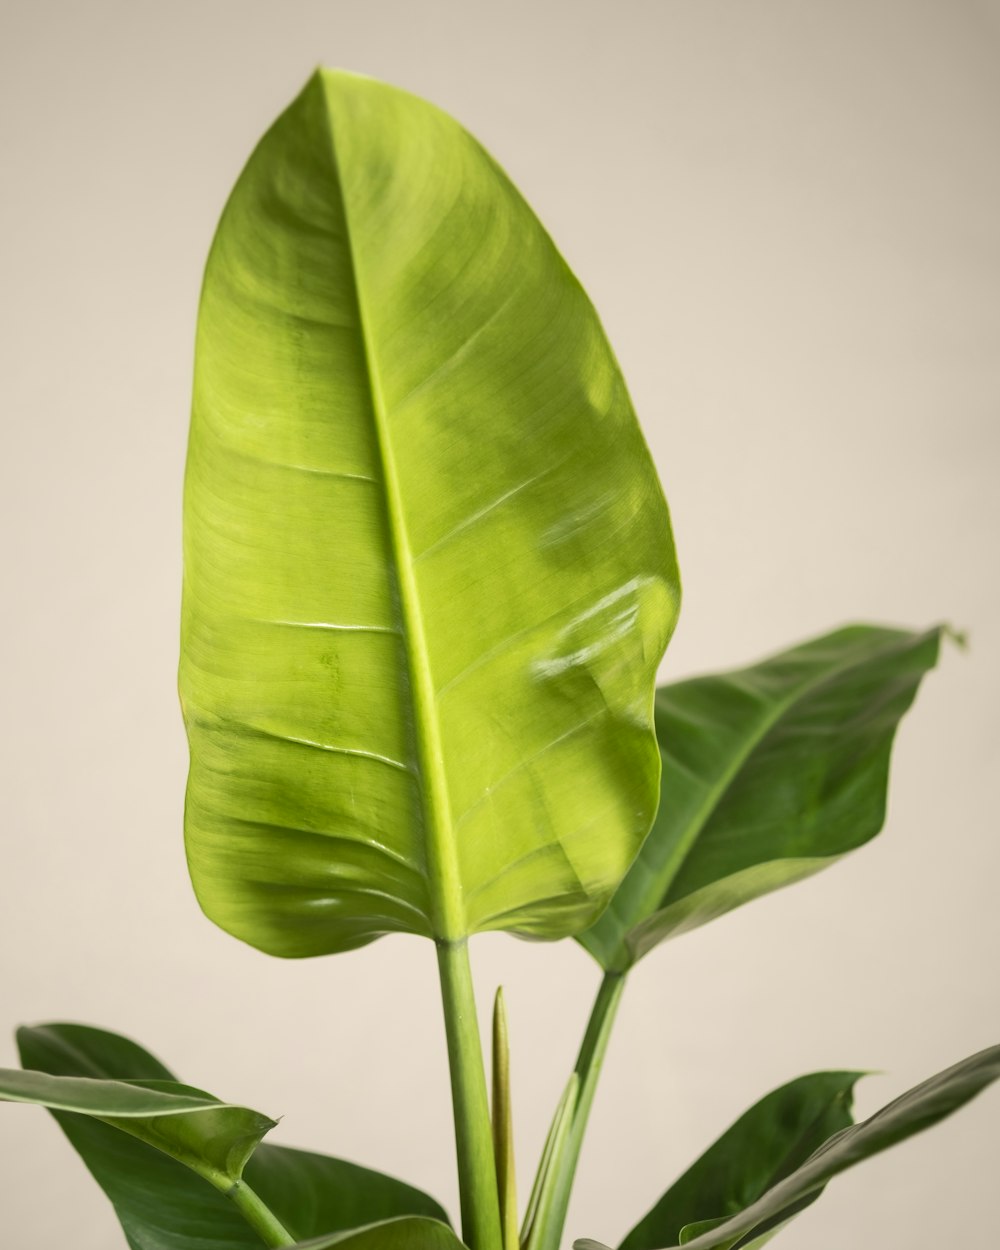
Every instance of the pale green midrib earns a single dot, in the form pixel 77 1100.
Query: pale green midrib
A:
pixel 443 878
pixel 654 896
pixel 152 1111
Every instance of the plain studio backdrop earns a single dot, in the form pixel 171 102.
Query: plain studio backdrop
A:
pixel 788 216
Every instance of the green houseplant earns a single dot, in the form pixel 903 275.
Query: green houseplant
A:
pixel 429 576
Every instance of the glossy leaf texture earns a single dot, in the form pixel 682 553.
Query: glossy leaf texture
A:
pixel 770 773
pixel 918 1109
pixel 411 1233
pixel 164 1206
pixel 213 1138
pixel 764 1145
pixel 429 571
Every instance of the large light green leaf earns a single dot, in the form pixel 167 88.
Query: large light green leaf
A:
pixel 918 1109
pixel 429 571
pixel 765 1144
pixel 770 773
pixel 164 1206
pixel 212 1138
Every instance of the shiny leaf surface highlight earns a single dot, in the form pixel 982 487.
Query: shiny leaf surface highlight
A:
pixel 213 1138
pixel 429 571
pixel 164 1206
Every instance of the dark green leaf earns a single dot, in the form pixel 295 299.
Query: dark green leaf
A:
pixel 163 1206
pixel 313 1194
pixel 775 1136
pixel 770 773
pixel 413 1233
pixel 918 1109
pixel 213 1138
pixel 429 572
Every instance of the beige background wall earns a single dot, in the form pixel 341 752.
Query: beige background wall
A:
pixel 788 214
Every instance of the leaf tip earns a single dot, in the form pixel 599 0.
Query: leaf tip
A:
pixel 958 637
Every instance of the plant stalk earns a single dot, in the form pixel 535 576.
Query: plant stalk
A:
pixel 477 1177
pixel 588 1070
pixel 258 1216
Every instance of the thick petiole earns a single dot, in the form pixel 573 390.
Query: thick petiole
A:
pixel 263 1221
pixel 477 1176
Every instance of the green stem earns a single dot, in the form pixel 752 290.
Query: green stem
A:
pixel 477 1177
pixel 258 1216
pixel 588 1069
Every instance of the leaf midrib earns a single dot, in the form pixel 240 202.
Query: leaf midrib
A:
pixel 166 1105
pixel 444 881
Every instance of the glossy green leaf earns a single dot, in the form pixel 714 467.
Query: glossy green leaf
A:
pixel 213 1138
pixel 918 1109
pixel 764 1145
pixel 770 774
pixel 412 1233
pixel 163 1206
pixel 429 571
